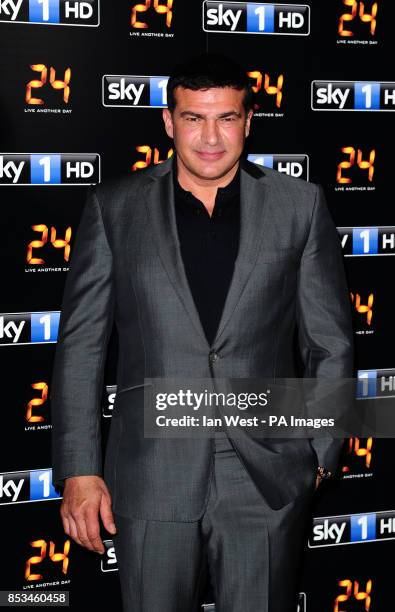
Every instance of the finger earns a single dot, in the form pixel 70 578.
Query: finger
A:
pixel 64 516
pixel 83 532
pixel 73 530
pixel 106 514
pixel 66 525
pixel 93 530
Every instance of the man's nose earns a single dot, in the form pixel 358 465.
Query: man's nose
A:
pixel 210 132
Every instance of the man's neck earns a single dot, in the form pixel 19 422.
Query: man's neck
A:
pixel 204 189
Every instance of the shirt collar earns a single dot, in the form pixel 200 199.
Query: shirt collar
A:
pixel 224 194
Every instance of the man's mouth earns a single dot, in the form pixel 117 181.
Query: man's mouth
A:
pixel 210 154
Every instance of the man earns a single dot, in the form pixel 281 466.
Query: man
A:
pixel 209 266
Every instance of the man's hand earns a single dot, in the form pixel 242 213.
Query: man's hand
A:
pixel 84 497
pixel 317 482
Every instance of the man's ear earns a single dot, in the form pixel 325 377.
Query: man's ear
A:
pixel 248 121
pixel 168 121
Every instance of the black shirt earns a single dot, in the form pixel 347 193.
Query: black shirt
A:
pixel 209 247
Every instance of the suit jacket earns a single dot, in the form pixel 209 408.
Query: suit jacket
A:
pixel 126 267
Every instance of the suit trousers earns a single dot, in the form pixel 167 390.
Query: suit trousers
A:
pixel 250 552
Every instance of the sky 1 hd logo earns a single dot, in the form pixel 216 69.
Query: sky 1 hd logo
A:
pixel 293 165
pixel 109 396
pixel 352 529
pixel 134 91
pixel 376 384
pixel 367 241
pixel 26 486
pixel 109 559
pixel 18 328
pixel 353 96
pixel 51 12
pixel 256 18
pixel 301 607
pixel 46 169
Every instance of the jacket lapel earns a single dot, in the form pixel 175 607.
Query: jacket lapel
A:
pixel 252 227
pixel 159 197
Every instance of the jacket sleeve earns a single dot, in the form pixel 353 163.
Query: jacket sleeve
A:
pixel 324 317
pixel 84 328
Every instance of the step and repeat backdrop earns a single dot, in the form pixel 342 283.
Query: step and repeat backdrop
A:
pixel 82 87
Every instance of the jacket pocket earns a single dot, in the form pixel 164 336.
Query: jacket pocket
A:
pixel 131 388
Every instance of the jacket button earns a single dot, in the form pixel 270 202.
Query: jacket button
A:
pixel 213 356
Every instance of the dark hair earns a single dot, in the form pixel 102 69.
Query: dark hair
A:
pixel 209 70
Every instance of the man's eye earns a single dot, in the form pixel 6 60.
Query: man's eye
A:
pixel 192 119
pixel 228 119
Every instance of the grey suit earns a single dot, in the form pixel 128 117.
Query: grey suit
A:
pixel 126 266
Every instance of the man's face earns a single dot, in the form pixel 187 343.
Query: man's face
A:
pixel 209 128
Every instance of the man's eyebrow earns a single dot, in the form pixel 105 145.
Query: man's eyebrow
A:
pixel 222 115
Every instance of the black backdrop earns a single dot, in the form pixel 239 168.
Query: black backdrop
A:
pixel 348 151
